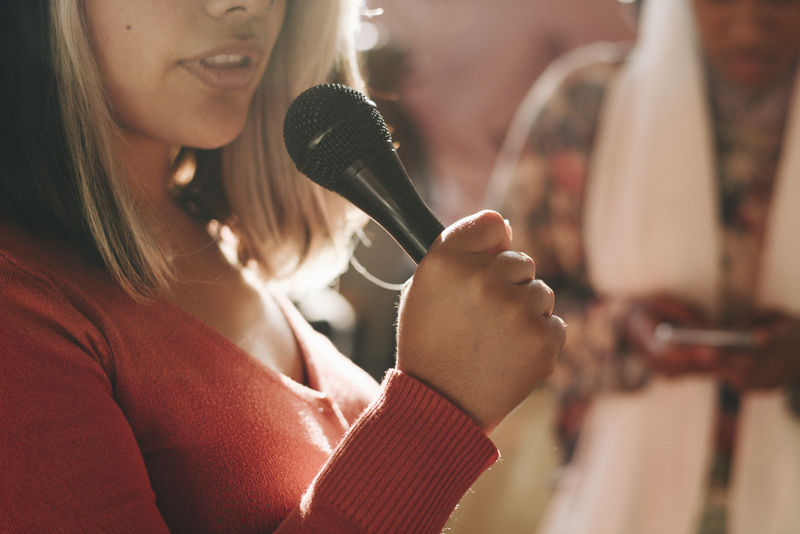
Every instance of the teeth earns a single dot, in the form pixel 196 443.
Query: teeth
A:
pixel 226 60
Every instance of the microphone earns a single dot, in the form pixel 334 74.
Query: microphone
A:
pixel 336 136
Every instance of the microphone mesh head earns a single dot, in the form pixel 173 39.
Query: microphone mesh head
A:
pixel 328 128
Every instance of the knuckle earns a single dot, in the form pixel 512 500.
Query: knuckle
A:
pixel 542 298
pixel 527 259
pixel 544 289
pixel 512 266
pixel 558 331
pixel 513 256
pixel 508 256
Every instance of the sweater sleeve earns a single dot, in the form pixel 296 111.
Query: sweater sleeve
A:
pixel 69 461
pixel 402 467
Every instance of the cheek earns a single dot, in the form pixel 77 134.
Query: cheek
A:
pixel 184 117
pixel 138 50
pixel 160 100
pixel 133 76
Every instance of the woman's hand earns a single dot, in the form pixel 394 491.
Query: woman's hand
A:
pixel 475 324
pixel 773 362
pixel 661 355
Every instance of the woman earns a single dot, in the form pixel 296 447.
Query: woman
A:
pixel 146 384
pixel 659 186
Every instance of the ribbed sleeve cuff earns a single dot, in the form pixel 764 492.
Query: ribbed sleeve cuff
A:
pixel 406 462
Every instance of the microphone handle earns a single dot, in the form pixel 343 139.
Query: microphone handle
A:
pixel 381 188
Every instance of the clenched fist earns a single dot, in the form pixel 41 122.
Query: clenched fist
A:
pixel 475 324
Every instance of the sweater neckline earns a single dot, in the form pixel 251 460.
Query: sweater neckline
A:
pixel 311 387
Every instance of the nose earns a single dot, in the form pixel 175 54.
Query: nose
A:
pixel 220 8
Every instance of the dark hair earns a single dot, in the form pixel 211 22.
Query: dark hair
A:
pixel 38 187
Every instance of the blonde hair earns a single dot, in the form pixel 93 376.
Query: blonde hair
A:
pixel 287 222
pixel 282 220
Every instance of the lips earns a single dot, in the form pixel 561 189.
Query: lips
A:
pixel 226 68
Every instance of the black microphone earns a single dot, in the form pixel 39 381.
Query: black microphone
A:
pixel 336 136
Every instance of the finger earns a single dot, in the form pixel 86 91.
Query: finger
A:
pixel 516 267
pixel 765 334
pixel 557 334
pixel 485 231
pixel 542 297
pixel 641 332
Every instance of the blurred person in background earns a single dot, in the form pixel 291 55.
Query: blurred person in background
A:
pixel 661 185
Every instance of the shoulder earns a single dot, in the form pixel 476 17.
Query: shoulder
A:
pixel 594 65
pixel 572 88
pixel 46 294
pixel 558 116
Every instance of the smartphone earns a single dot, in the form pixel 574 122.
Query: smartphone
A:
pixel 712 337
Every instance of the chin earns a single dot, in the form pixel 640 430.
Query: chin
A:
pixel 215 134
pixel 211 143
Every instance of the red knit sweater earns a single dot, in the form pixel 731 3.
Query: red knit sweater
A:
pixel 118 416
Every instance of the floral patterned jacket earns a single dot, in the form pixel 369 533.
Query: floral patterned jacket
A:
pixel 543 200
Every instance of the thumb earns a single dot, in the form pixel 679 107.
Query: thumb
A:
pixel 483 232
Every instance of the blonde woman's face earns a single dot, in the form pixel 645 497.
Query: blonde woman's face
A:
pixel 183 72
pixel 750 42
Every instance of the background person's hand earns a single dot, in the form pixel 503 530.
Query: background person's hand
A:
pixel 661 355
pixel 474 323
pixel 773 362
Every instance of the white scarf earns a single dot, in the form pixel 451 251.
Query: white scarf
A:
pixel 651 225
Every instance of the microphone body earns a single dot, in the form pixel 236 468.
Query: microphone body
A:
pixel 381 188
pixel 336 136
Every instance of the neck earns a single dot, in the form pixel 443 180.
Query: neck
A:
pixel 147 164
pixel 208 286
pixel 149 168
